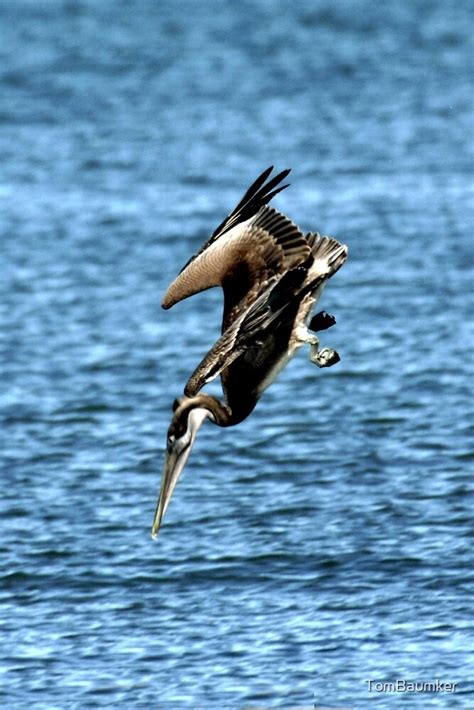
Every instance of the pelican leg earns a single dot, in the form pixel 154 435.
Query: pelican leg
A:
pixel 327 356
pixel 322 358
pixel 321 321
pixel 304 336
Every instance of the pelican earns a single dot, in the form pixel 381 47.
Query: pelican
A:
pixel 272 276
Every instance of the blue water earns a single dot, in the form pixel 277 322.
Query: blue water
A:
pixel 327 540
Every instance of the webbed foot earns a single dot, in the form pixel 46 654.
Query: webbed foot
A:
pixel 325 357
pixel 321 321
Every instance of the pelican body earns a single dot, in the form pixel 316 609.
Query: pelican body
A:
pixel 272 276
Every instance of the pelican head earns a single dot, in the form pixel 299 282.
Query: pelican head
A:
pixel 187 419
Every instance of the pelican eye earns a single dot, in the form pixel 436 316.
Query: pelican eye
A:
pixel 170 441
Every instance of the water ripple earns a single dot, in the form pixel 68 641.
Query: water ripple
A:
pixel 327 539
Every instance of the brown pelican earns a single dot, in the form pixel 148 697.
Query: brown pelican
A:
pixel 272 276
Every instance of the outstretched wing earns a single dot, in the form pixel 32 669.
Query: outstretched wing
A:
pixel 254 243
pixel 269 309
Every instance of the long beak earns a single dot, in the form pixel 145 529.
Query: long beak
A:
pixel 174 464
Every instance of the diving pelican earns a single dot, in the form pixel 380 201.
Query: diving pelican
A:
pixel 272 276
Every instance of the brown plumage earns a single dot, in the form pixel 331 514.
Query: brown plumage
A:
pixel 253 244
pixel 257 344
pixel 272 276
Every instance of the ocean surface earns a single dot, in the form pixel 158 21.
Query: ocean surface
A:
pixel 326 541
